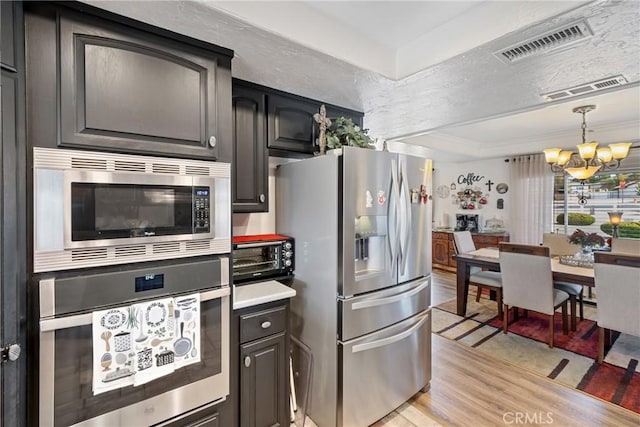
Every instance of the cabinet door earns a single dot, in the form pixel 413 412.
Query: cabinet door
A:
pixel 291 124
pixel 250 157
pixel 452 252
pixel 263 382
pixel 126 90
pixel 440 252
pixel 7 52
pixel 334 112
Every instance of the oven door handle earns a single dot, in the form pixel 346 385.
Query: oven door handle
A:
pixel 48 325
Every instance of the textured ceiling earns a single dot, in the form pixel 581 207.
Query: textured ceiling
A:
pixel 469 87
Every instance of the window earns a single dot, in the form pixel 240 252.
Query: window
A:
pixel 607 191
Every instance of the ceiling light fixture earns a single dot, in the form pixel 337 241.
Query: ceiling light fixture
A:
pixel 589 159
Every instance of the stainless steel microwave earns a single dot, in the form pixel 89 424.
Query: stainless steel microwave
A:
pixel 94 208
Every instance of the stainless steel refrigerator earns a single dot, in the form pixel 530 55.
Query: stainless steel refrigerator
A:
pixel 362 224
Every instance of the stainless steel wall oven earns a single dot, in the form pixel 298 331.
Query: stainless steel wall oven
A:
pixel 67 301
pixel 94 209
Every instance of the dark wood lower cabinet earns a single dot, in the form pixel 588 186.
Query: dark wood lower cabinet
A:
pixel 263 365
pixel 443 249
pixel 263 375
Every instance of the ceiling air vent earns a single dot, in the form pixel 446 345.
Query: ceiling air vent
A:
pixel 546 42
pixel 585 88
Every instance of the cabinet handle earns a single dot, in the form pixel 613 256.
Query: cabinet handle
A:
pixel 212 141
pixel 247 361
pixel 262 198
pixel 265 325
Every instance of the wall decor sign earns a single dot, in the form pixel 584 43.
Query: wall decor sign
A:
pixel 442 191
pixel 470 179
pixel 502 188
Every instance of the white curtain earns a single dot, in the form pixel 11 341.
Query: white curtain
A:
pixel 531 211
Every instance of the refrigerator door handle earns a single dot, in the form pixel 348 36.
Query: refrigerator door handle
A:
pixel 388 300
pixel 404 217
pixel 393 223
pixel 390 340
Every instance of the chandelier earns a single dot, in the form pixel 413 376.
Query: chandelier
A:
pixel 589 159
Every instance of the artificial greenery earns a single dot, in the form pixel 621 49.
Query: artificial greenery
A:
pixel 576 218
pixel 344 132
pixel 583 239
pixel 630 230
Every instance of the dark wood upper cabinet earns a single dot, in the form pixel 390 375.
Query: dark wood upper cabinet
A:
pixel 7 28
pixel 125 86
pixel 291 124
pixel 250 156
pixel 121 90
pixel 335 112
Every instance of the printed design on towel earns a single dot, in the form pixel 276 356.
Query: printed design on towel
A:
pixel 186 346
pixel 113 359
pixel 136 344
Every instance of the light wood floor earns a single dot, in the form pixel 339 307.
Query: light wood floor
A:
pixel 472 389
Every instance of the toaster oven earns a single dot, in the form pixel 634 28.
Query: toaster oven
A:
pixel 262 256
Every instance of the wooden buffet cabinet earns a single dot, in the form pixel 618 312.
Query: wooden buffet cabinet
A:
pixel 443 249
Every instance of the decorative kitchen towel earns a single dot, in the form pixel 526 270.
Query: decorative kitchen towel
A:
pixel 136 344
pixel 112 353
pixel 187 319
pixel 154 356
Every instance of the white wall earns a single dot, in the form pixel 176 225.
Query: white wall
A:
pixel 259 222
pixel 495 170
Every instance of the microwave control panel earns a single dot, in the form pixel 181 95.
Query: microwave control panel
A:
pixel 201 205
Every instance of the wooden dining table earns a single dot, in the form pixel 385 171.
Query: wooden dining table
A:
pixel 488 258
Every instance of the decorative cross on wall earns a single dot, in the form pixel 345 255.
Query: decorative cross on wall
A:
pixel 324 123
pixel 489 184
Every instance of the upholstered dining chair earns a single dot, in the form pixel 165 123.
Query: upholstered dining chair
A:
pixel 559 245
pixel 617 278
pixel 527 282
pixel 491 280
pixel 625 246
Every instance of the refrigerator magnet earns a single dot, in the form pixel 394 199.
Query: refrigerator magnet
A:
pixel 381 197
pixel 369 200
pixel 415 195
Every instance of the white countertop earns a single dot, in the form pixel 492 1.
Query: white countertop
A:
pixel 260 293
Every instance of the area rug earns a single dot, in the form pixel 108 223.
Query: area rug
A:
pixel 571 362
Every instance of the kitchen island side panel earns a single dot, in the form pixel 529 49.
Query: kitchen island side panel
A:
pixel 307 209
